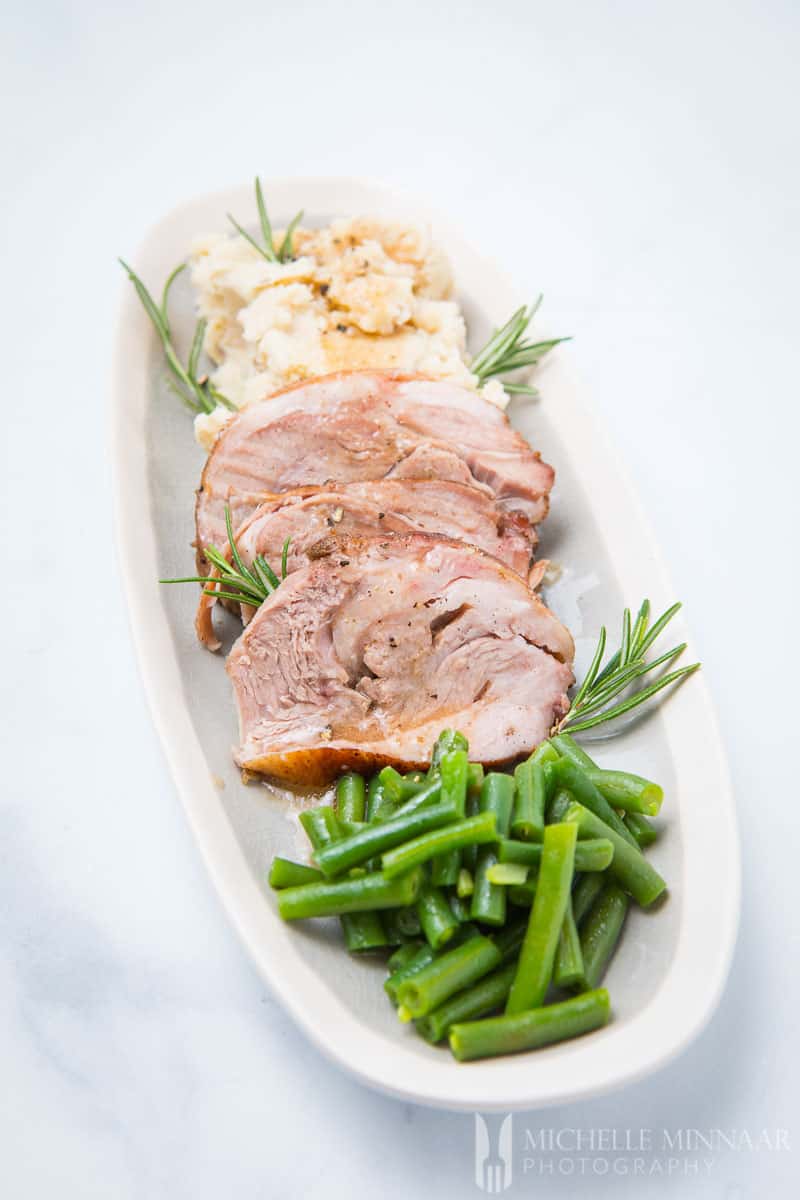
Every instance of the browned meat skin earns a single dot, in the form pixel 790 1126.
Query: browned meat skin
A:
pixel 363 425
pixel 375 508
pixel 363 656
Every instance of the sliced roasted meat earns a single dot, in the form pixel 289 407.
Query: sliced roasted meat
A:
pixel 361 657
pixel 363 425
pixel 373 509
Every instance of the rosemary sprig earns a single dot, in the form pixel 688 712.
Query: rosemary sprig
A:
pixel 232 579
pixel 593 703
pixel 507 351
pixel 268 250
pixel 198 393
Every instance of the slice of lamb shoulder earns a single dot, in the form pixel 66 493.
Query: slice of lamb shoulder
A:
pixel 386 506
pixel 362 425
pixel 361 657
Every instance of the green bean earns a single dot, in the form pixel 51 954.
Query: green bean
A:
pixel 479 1000
pixel 479 830
pixel 642 830
pixel 585 892
pixel 568 748
pixel 403 954
pixel 509 940
pixel 601 931
pixel 401 924
pixel 446 975
pixel 594 854
pixel 363 931
pixel 629 866
pixel 568 971
pixel 475 778
pixel 629 792
pixel 448 739
pixel 435 916
pixel 429 793
pixel 507 874
pixel 529 1030
pixel 465 884
pixel 453 770
pixel 414 965
pixel 369 892
pixel 488 899
pixel 557 805
pixel 351 797
pixel 544 753
pixel 378 803
pixel 522 894
pixel 459 907
pixel 575 781
pixel 343 853
pixel 285 873
pixel 319 825
pixel 527 821
pixel 535 966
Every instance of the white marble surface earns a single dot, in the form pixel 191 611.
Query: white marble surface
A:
pixel 636 162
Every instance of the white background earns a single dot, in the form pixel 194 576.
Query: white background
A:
pixel 638 163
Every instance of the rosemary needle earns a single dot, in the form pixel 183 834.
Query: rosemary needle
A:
pixel 199 394
pixel 232 579
pixel 507 351
pixel 267 250
pixel 593 703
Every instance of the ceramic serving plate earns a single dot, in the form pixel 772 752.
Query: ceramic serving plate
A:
pixel 671 965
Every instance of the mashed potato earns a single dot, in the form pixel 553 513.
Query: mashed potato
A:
pixel 359 293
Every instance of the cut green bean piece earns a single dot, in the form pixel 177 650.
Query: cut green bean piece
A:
pixel 369 892
pixel 629 792
pixel 509 940
pixel 379 805
pixel 475 777
pixel 448 739
pixel 642 830
pixel 424 955
pixel 522 894
pixel 436 916
pixel 574 780
pixel 403 955
pixel 372 840
pixel 319 825
pixel 544 753
pixel 488 899
pixel 585 892
pixel 453 771
pixel 532 1029
pixel 401 925
pixel 629 866
pixel 567 747
pixel 601 932
pixel 535 966
pixel 351 797
pixel 363 931
pixel 568 971
pixel 285 873
pixel 465 885
pixel 474 830
pixel 505 874
pixel 527 821
pixel 446 975
pixel 459 908
pixel 484 997
pixel 593 854
pixel 430 793
pixel 558 804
